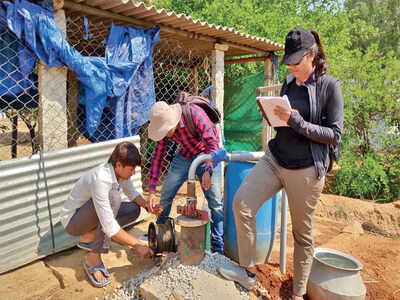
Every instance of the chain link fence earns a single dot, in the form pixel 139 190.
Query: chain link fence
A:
pixel 269 90
pixel 18 99
pixel 176 64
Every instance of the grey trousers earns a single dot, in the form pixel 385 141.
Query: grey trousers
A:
pixel 303 189
pixel 85 220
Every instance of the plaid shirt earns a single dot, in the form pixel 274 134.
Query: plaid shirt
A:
pixel 189 145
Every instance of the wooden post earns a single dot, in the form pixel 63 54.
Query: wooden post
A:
pixel 72 108
pixel 269 81
pixel 245 60
pixel 53 127
pixel 194 81
pixel 14 133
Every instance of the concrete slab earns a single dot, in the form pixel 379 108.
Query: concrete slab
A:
pixel 151 290
pixel 221 289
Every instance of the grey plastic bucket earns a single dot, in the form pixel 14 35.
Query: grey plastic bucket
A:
pixel 335 276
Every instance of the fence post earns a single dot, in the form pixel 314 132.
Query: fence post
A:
pixel 53 129
pixel 194 81
pixel 218 79
pixel 72 109
pixel 218 63
pixel 14 133
pixel 269 81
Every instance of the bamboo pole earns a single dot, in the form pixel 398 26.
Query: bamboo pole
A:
pixel 105 14
pixel 245 60
pixel 243 48
pixel 194 81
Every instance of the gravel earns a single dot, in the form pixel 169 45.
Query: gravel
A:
pixel 174 277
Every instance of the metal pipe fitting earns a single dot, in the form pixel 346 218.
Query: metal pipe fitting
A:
pixel 243 156
pixel 234 156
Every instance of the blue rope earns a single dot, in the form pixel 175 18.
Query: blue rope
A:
pixel 86 24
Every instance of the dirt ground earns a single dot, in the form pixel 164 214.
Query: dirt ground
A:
pixel 24 146
pixel 378 249
pixel 61 276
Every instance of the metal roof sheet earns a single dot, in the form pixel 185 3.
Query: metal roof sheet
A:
pixel 185 26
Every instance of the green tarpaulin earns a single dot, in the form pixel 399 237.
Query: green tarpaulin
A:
pixel 242 122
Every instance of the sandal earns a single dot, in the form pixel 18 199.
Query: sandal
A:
pixel 85 246
pixel 90 270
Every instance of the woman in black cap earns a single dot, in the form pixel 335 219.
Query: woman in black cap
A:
pixel 297 159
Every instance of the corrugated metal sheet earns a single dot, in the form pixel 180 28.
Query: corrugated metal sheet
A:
pixel 152 15
pixel 25 231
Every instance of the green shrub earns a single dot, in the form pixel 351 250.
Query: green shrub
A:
pixel 370 176
pixel 393 173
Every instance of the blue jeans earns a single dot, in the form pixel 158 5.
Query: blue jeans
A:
pixel 176 176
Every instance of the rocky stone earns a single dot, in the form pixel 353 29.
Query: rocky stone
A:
pixel 175 296
pixel 221 289
pixel 354 228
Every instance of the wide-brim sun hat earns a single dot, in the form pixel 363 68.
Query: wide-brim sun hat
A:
pixel 163 118
pixel 297 43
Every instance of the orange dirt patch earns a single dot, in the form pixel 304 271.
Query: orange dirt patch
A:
pixel 380 255
pixel 61 276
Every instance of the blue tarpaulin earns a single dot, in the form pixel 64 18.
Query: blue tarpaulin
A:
pixel 134 90
pixel 124 77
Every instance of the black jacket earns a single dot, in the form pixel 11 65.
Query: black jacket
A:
pixel 326 118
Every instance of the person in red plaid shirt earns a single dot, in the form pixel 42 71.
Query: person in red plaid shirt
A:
pixel 167 122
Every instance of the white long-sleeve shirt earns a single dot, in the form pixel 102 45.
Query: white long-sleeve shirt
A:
pixel 99 184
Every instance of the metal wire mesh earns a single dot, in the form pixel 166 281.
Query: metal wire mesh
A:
pixel 176 67
pixel 87 45
pixel 18 99
pixel 271 90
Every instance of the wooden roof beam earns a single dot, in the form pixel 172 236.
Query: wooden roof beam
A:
pixel 250 59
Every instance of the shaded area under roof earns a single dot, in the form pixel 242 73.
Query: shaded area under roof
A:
pixel 193 32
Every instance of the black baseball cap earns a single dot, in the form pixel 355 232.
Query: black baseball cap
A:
pixel 298 41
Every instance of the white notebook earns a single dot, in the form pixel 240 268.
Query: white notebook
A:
pixel 267 105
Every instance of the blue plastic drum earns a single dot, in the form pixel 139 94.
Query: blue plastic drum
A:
pixel 266 218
